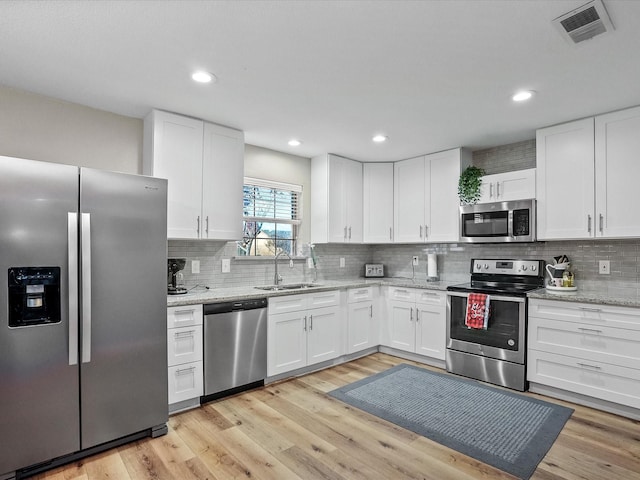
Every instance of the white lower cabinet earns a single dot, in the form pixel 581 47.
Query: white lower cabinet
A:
pixel 416 321
pixel 362 326
pixel 184 353
pixel 592 350
pixel 303 330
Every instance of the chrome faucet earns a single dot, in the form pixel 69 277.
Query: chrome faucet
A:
pixel 277 278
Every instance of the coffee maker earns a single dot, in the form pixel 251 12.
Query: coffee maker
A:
pixel 174 266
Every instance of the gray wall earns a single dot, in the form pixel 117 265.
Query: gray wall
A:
pixel 42 128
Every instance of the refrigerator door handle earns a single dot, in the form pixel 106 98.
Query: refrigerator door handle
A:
pixel 86 287
pixel 72 266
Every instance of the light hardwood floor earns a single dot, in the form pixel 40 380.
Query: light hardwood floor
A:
pixel 293 430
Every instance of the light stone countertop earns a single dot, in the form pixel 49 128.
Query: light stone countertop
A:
pixel 586 295
pixel 217 295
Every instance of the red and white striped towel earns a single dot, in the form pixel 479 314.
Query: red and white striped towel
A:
pixel 477 311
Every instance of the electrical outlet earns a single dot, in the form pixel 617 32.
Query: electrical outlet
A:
pixel 226 265
pixel 604 267
pixel 195 266
pixel 414 261
pixel 342 262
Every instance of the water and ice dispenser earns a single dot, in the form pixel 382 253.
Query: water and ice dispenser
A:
pixel 34 296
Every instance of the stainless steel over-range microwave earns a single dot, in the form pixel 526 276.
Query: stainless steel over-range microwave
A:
pixel 498 222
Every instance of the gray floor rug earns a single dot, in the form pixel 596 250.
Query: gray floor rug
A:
pixel 504 429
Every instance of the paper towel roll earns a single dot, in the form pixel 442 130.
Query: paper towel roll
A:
pixel 432 265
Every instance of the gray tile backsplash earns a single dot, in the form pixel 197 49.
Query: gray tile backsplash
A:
pixel 453 259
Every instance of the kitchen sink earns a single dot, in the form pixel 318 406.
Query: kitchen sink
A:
pixel 289 286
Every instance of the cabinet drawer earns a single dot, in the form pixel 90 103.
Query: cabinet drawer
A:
pixel 402 294
pixel 323 299
pixel 599 380
pixel 184 316
pixel 593 342
pixel 585 313
pixel 184 345
pixel 185 382
pixel 360 294
pixel 289 303
pixel 431 297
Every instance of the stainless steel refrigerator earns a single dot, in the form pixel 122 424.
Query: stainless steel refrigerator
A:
pixel 83 349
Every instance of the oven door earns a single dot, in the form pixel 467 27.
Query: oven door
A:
pixel 504 338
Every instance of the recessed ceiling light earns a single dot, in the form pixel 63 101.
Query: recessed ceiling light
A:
pixel 294 143
pixel 379 138
pixel 522 95
pixel 203 77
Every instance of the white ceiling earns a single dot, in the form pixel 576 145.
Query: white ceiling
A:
pixel 431 74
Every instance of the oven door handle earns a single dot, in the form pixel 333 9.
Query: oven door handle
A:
pixel 499 298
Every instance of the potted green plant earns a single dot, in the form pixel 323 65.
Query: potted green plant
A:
pixel 469 185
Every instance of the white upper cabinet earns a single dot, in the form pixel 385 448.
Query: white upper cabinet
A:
pixel 378 202
pixel 565 181
pixel 336 200
pixel 586 177
pixel 617 164
pixel 426 197
pixel 504 187
pixel 204 165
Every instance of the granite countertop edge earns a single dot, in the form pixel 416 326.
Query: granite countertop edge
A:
pixel 588 296
pixel 249 292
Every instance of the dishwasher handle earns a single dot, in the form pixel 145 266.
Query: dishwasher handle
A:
pixel 226 307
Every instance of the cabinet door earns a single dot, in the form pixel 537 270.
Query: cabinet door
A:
pixel 222 183
pixel 441 199
pixel 431 326
pixel 565 181
pixel 400 323
pixel 323 334
pixel 286 342
pixel 361 326
pixel 617 145
pixel 337 200
pixel 508 186
pixel 378 202
pixel 184 345
pixel 409 200
pixel 175 153
pixel 185 382
pixel 353 194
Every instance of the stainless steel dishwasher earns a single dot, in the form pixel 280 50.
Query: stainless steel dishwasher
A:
pixel 235 347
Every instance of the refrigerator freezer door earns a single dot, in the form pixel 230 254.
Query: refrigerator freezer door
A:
pixel 39 400
pixel 124 381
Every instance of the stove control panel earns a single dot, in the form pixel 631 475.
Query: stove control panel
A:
pixel 532 268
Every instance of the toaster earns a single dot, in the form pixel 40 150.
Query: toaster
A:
pixel 374 270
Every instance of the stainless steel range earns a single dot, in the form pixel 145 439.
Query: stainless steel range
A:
pixel 487 321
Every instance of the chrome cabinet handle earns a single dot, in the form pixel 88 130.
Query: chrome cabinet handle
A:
pixel 305 324
pixel 310 322
pixel 72 266
pixel 198 225
pixel 586 365
pixel 417 315
pixel 390 233
pixel 426 231
pixel 420 231
pixel 190 333
pixel 590 330
pixel 85 247
pixel 497 189
pixel 345 233
pixel 491 190
pixel 184 371
pixel 349 233
pixel 370 311
pixel 589 223
pixel 601 223
pixel 207 227
pixel 411 315
pixel 587 309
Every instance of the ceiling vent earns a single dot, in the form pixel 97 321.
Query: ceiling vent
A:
pixel 584 22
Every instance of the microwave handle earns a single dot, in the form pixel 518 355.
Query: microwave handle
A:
pixel 510 225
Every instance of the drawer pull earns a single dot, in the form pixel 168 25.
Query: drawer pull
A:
pixel 595 310
pixel 586 365
pixel 590 330
pixel 362 292
pixel 185 371
pixel 180 312
pixel 190 333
